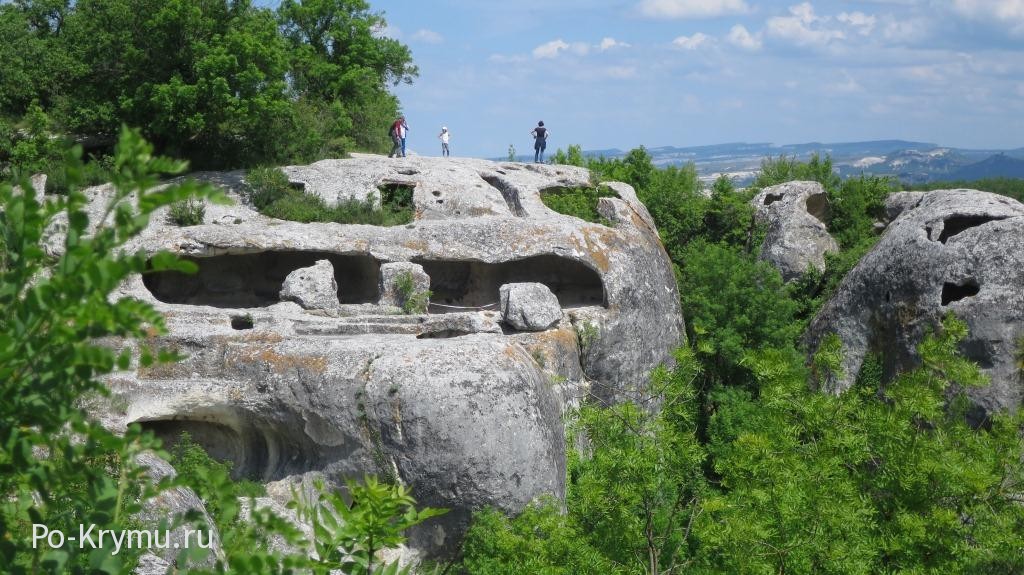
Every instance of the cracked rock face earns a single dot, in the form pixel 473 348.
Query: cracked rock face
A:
pixel 463 408
pixel 797 238
pixel 957 251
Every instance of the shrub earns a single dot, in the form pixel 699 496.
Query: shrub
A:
pixel 412 300
pixel 577 202
pixel 188 212
pixel 49 360
pixel 269 191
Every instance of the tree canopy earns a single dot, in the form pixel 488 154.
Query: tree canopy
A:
pixel 221 83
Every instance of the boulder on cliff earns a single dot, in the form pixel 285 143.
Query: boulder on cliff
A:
pixel 957 251
pixel 796 238
pixel 313 287
pixel 529 306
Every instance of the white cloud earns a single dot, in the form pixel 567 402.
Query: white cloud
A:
pixel 1007 12
pixel 550 49
pixel 427 37
pixel 692 42
pixel 802 27
pixel 859 21
pixel 609 43
pixel 692 8
pixel 553 48
pixel 739 36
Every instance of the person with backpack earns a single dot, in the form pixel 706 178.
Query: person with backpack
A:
pixel 395 132
pixel 540 141
pixel 444 136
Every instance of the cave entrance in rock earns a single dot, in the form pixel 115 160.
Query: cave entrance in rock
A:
pixel 475 283
pixel 254 280
pixel 247 452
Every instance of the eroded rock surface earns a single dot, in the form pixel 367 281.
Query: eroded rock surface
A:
pixel 313 287
pixel 466 412
pixel 797 237
pixel 957 251
pixel 529 306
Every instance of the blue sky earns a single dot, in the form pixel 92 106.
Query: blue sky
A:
pixel 621 73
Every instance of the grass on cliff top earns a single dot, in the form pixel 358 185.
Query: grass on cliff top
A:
pixel 577 202
pixel 270 192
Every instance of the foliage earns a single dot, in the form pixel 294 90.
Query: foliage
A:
pixel 577 202
pixel 413 301
pixel 188 212
pixel 541 540
pixel 269 191
pixel 733 303
pixel 784 169
pixel 349 531
pixel 855 206
pixel 788 479
pixel 200 472
pixel 868 481
pixel 633 492
pixel 225 83
pixel 58 467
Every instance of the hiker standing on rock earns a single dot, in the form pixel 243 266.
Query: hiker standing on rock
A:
pixel 540 141
pixel 396 137
pixel 403 132
pixel 444 137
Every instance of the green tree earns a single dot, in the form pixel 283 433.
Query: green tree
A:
pixel 221 82
pixel 871 481
pixel 733 304
pixel 634 492
pixel 58 467
pixel 337 55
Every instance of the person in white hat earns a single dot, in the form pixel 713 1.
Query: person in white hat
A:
pixel 444 136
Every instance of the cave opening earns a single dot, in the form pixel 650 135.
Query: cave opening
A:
pixel 476 284
pixel 770 199
pixel 817 205
pixel 246 452
pixel 952 292
pixel 959 223
pixel 255 280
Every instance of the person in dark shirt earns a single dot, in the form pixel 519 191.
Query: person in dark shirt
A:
pixel 540 141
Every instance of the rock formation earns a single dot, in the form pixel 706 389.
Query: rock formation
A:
pixel 956 251
pixel 313 287
pixel 464 407
pixel 796 239
pixel 529 306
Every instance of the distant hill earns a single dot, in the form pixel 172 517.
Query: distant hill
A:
pixel 910 161
pixel 996 166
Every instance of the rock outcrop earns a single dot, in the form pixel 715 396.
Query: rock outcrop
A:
pixel 313 287
pixel 529 306
pixel 451 402
pixel 797 238
pixel 957 251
